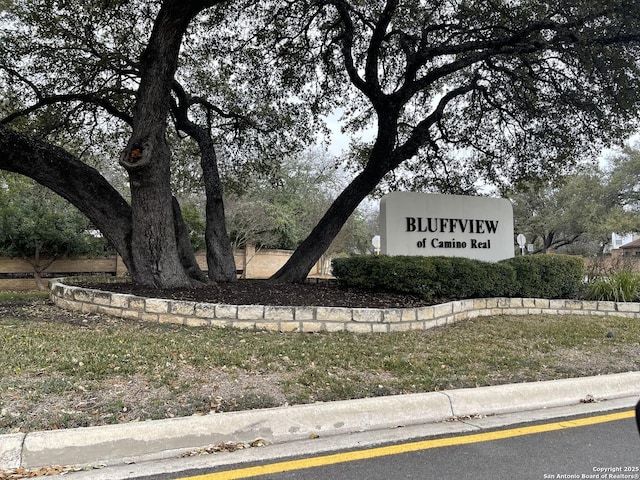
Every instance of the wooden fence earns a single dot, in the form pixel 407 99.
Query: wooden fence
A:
pixel 16 274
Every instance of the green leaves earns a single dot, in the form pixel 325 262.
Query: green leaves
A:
pixel 280 209
pixel 580 211
pixel 619 286
pixel 35 221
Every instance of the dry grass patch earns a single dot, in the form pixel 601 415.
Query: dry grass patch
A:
pixel 62 369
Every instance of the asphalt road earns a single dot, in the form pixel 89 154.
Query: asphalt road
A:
pixel 586 440
pixel 602 446
pixel 606 450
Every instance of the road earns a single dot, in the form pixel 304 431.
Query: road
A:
pixel 585 441
pixel 601 446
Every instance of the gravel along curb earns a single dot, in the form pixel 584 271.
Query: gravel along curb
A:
pixel 136 442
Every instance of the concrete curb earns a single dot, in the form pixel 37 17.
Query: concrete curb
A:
pixel 136 442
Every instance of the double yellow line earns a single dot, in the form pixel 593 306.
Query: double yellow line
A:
pixel 332 459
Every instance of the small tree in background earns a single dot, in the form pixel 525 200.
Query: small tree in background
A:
pixel 195 224
pixel 578 213
pixel 40 227
pixel 280 209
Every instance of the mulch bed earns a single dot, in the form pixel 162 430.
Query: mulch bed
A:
pixel 263 292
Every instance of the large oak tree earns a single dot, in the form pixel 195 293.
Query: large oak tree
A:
pixel 110 73
pixel 456 92
pixel 147 233
pixel 466 91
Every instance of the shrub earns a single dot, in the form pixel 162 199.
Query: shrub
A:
pixel 546 276
pixel 428 277
pixel 620 286
pixel 456 277
pixel 387 274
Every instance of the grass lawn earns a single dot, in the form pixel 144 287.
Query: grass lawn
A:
pixel 62 369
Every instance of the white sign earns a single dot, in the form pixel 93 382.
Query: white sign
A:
pixel 375 241
pixel 446 225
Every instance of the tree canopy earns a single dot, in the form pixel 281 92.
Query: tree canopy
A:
pixel 280 211
pixel 38 226
pixel 456 93
pixel 579 212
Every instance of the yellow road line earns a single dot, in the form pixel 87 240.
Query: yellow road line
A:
pixel 304 463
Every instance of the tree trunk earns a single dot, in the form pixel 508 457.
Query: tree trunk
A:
pixel 382 159
pixel 313 247
pixel 153 245
pixel 37 268
pixel 147 157
pixel 547 242
pixel 185 249
pixel 220 262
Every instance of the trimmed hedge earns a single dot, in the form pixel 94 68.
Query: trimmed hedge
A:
pixel 438 278
pixel 548 276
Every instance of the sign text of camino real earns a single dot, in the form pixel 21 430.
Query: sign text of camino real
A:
pixel 446 225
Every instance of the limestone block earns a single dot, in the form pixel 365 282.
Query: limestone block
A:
pixel 250 312
pixel 304 313
pixel 114 312
pixel 358 327
pixel 82 295
pixel 428 313
pixel 182 308
pixel 392 315
pixel 629 307
pixel 367 315
pixel 102 298
pixel 409 315
pixel 380 327
pixel 334 326
pixel 541 302
pixel 156 305
pixel 440 311
pixel 196 322
pixel 290 326
pixel 149 317
pixel 206 310
pixel 558 304
pixel 227 311
pixel 277 313
pixel 119 300
pixel 136 303
pixel 170 318
pixel 336 314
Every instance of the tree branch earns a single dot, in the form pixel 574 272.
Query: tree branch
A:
pixel 93 98
pixel 73 180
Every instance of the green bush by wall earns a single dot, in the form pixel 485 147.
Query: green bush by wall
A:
pixel 441 278
pixel 547 276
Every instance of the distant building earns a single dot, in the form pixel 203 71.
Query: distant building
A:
pixel 625 245
pixel 619 239
pixel 631 249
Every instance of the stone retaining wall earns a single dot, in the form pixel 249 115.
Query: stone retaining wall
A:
pixel 317 319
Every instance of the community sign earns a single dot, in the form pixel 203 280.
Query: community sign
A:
pixel 427 224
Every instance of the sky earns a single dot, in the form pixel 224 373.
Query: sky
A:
pixel 340 141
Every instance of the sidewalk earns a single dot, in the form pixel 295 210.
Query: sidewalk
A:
pixel 161 439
